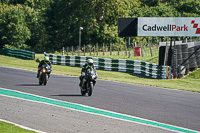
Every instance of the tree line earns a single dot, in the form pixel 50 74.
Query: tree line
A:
pixel 49 25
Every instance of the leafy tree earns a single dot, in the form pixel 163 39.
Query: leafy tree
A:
pixel 52 24
pixel 97 17
pixel 33 12
pixel 64 19
pixel 189 8
pixel 15 25
pixel 4 1
pixel 150 2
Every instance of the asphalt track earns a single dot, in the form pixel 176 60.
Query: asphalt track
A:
pixel 179 108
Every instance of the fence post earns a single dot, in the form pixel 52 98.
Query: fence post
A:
pixel 90 49
pixel 118 48
pixel 186 40
pixel 129 45
pixel 79 51
pixel 67 50
pixel 126 48
pixel 72 50
pixel 133 49
pixel 103 50
pixel 141 48
pixel 63 51
pixel 97 48
pixel 110 48
pixel 84 49
pixel 150 49
pixel 94 49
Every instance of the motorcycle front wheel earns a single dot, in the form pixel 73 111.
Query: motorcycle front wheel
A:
pixel 90 89
pixel 45 79
pixel 40 80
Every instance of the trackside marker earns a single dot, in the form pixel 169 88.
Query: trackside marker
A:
pixel 91 110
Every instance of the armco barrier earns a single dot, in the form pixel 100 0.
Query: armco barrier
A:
pixel 131 66
pixel 19 53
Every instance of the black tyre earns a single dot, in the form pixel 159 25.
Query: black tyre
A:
pixel 192 61
pixel 197 54
pixel 90 89
pixel 40 80
pixel 45 80
pixel 161 55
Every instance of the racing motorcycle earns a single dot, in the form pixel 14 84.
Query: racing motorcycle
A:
pixel 89 82
pixel 43 75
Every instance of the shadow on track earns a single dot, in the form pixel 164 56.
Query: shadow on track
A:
pixel 63 77
pixel 68 95
pixel 28 85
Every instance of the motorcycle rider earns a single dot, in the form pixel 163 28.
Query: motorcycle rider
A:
pixel 45 61
pixel 87 65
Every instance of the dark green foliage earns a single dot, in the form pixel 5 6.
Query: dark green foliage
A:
pixel 150 2
pixel 14 27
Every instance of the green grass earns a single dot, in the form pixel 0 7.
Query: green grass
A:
pixel 10 128
pixel 189 83
pixel 194 75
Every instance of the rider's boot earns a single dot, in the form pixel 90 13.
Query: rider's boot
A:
pixel 80 84
pixel 37 75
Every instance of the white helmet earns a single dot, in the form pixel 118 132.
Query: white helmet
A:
pixel 90 62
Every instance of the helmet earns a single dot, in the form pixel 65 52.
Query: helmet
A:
pixel 90 62
pixel 46 59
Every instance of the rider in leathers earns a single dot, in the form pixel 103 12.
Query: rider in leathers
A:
pixel 45 61
pixel 87 65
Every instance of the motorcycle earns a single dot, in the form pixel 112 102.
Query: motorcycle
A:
pixel 43 74
pixel 89 82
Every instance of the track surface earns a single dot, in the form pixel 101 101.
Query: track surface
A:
pixel 180 108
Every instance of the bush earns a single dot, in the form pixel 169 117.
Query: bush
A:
pixel 22 46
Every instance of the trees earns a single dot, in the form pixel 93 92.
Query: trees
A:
pixel 14 29
pixel 20 24
pixel 97 17
pixel 190 8
pixel 52 24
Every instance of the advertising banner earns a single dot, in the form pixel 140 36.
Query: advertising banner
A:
pixel 168 26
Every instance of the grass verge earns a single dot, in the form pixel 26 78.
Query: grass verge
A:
pixel 190 83
pixel 11 128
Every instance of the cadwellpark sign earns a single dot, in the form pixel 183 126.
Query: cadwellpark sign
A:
pixel 168 26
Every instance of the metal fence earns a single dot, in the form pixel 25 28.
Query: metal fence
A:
pixel 150 70
pixel 145 50
pixel 19 53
